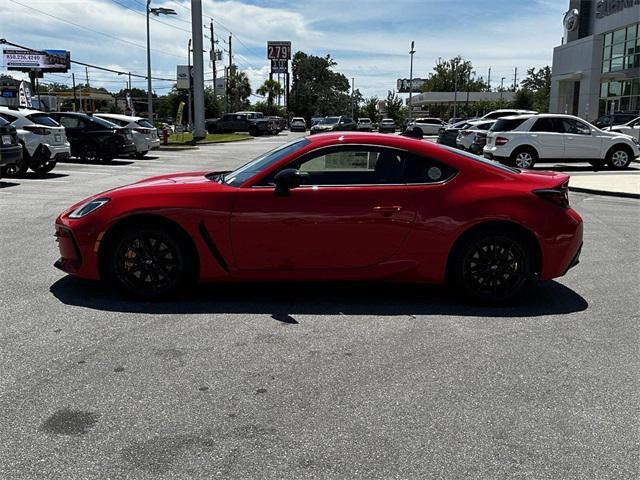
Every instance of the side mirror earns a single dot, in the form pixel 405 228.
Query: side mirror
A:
pixel 286 180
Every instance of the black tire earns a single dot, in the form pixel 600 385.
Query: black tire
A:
pixel 44 167
pixel 492 266
pixel 212 129
pixel 619 157
pixel 524 157
pixel 253 131
pixel 141 155
pixel 88 152
pixel 19 168
pixel 149 261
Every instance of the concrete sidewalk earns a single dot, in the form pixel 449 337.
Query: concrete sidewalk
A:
pixel 615 183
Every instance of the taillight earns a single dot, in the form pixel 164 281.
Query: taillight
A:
pixel 501 140
pixel 37 130
pixel 558 195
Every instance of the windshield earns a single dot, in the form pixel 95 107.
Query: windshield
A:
pixel 329 120
pixel 477 158
pixel 387 121
pixel 144 123
pixel 102 122
pixel 242 174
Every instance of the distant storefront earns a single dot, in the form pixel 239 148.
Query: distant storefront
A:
pixel 596 70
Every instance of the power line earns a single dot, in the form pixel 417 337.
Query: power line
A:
pixel 92 30
pixel 152 18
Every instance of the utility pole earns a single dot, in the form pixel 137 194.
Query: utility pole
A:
pixel 501 88
pixel 489 80
pixel 189 102
pixel 73 79
pixel 149 94
pixel 411 52
pixel 229 71
pixel 213 58
pixel 515 79
pixel 455 91
pixel 353 83
pixel 198 71
pixel 86 72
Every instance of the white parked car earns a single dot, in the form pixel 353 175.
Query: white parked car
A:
pixel 468 134
pixel 145 135
pixel 526 139
pixel 506 112
pixel 43 140
pixel 631 128
pixel 429 126
pixel 365 125
pixel 299 124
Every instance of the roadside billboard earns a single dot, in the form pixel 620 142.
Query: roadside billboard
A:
pixel 183 77
pixel 402 84
pixel 42 60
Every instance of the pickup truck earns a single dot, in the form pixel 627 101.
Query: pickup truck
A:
pixel 252 122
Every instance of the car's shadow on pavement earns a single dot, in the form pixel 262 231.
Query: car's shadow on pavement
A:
pixel 112 163
pixel 559 167
pixel 4 184
pixel 282 300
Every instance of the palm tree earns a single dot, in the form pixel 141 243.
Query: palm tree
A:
pixel 270 89
pixel 239 89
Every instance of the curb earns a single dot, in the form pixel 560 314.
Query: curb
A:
pixel 168 149
pixel 605 193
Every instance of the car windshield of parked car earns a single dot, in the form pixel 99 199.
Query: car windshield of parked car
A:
pixel 103 123
pixel 144 123
pixel 257 165
pixel 387 121
pixel 329 121
pixel 43 119
pixel 479 159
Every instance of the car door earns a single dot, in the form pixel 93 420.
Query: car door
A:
pixel 580 141
pixel 547 136
pixel 73 127
pixel 351 211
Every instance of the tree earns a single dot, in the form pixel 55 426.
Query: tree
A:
pixel 370 108
pixel 524 99
pixel 271 89
pixel 316 90
pixel 394 107
pixel 238 89
pixel 539 83
pixel 451 74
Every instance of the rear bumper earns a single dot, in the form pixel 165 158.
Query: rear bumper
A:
pixel 10 154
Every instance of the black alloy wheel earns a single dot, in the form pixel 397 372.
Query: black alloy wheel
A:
pixel 19 168
pixel 493 267
pixel 148 262
pixel 43 167
pixel 88 152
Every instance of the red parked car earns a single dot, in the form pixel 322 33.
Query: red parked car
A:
pixel 338 206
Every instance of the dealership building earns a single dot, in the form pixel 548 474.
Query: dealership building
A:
pixel 596 70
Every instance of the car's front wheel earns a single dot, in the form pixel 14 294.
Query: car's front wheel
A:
pixel 492 266
pixel 19 168
pixel 619 157
pixel 43 167
pixel 141 155
pixel 148 261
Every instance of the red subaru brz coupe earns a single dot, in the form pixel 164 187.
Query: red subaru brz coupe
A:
pixel 332 207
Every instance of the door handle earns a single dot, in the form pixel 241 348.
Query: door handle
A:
pixel 387 210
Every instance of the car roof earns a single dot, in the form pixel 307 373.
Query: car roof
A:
pixel 118 116
pixel 480 122
pixel 21 111
pixel 540 115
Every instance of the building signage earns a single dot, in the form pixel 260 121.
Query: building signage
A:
pixel 604 8
pixel 571 20
pixel 278 50
pixel 402 84
pixel 24 96
pixel 279 66
pixel 45 60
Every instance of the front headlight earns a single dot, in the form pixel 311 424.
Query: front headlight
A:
pixel 88 207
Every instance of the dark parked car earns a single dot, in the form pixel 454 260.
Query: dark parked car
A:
pixel 479 142
pixel 10 148
pixel 618 118
pixel 447 135
pixel 334 124
pixel 252 122
pixel 93 138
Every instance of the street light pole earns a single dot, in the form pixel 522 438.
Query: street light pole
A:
pixel 149 94
pixel 156 12
pixel 411 52
pixel 501 88
pixel 353 82
pixel 190 82
pixel 198 70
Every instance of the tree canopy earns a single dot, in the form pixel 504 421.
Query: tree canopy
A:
pixel 451 74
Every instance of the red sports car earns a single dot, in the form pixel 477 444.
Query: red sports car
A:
pixel 334 207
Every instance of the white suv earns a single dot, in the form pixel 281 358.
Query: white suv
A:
pixel 506 112
pixel 43 140
pixel 365 125
pixel 429 126
pixel 524 140
pixel 145 135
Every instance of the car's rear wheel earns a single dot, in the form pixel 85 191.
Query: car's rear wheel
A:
pixel 88 152
pixel 492 266
pixel 43 167
pixel 524 158
pixel 619 157
pixel 19 168
pixel 148 261
pixel 141 155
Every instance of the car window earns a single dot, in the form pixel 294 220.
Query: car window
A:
pixel 259 164
pixel 347 120
pixel 548 125
pixel 329 120
pixel 145 123
pixel 575 127
pixel 484 126
pixel 506 125
pixel 8 118
pixel 43 119
pixel 71 122
pixel 420 169
pixel 102 122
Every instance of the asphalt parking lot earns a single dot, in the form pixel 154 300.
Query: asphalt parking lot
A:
pixel 311 381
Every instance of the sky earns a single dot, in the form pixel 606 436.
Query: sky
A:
pixel 369 39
